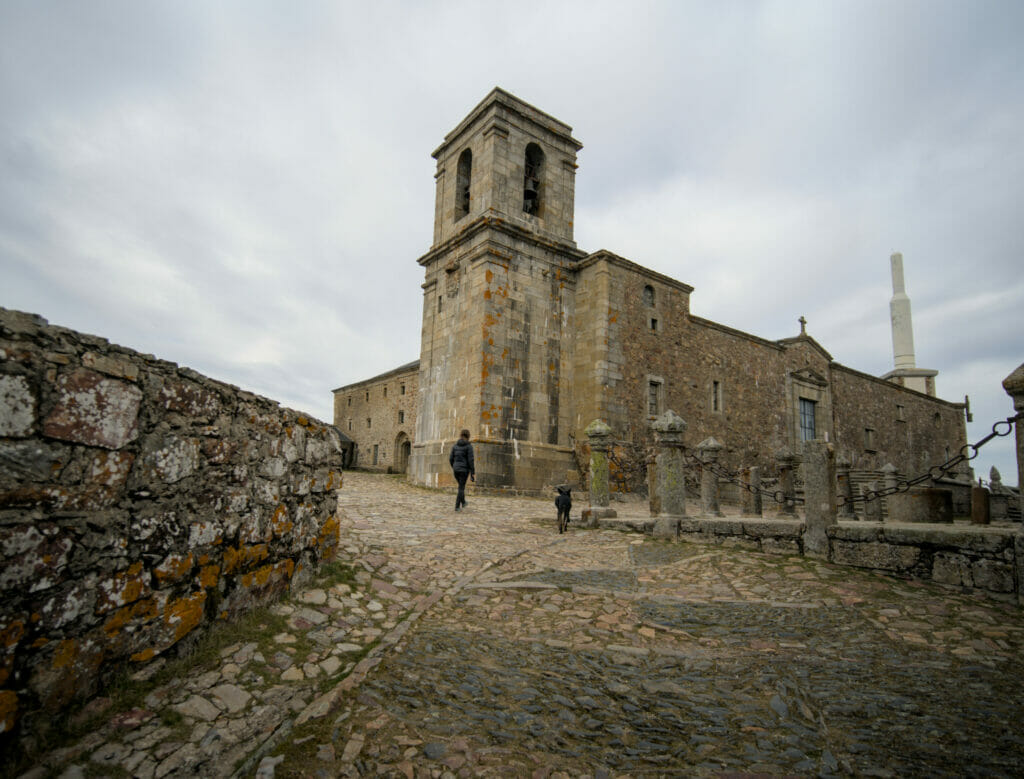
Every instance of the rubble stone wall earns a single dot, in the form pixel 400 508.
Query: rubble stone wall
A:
pixel 379 412
pixel 139 503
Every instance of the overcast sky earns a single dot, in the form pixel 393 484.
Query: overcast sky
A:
pixel 244 187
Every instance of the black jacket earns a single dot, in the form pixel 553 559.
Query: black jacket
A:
pixel 461 458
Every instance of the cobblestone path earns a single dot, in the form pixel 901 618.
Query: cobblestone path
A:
pixel 485 644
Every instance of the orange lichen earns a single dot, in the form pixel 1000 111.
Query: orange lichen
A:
pixel 66 653
pixel 185 614
pixel 279 522
pixel 12 634
pixel 173 568
pixel 209 575
pixel 243 556
pixel 143 609
pixel 144 656
pixel 8 710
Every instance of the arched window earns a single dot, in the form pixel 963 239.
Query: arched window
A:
pixel 533 175
pixel 649 296
pixel 465 171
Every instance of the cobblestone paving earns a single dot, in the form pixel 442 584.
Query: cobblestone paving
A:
pixel 485 644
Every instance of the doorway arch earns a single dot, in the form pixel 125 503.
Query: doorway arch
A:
pixel 403 448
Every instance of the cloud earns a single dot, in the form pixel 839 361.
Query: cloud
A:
pixel 244 188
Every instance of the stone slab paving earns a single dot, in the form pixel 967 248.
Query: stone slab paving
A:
pixel 485 644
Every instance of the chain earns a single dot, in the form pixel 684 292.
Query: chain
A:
pixel 734 478
pixel 967 453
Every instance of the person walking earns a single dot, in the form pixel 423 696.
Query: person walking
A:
pixel 461 461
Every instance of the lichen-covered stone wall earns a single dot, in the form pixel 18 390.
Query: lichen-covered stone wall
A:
pixel 139 503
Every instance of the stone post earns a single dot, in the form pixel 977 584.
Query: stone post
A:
pixel 872 508
pixel 669 483
pixel 752 505
pixel 1014 386
pixel 786 461
pixel 707 451
pixel 599 436
pixel 888 482
pixel 820 497
pixel 999 496
pixel 979 505
pixel 844 488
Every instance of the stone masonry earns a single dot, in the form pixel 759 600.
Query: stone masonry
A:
pixel 379 415
pixel 526 339
pixel 139 503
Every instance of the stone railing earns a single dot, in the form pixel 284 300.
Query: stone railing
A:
pixel 139 503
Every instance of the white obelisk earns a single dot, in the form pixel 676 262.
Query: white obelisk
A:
pixel 905 373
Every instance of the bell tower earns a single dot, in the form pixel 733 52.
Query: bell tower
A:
pixel 498 298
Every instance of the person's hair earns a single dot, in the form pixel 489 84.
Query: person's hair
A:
pixel 464 433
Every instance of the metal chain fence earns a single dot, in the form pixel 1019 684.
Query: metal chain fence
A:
pixel 967 452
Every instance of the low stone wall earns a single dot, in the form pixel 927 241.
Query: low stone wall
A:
pixel 987 559
pixel 139 503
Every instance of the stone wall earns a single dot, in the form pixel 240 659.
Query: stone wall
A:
pixel 139 503
pixel 380 412
pixel 981 559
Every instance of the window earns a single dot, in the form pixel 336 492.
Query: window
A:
pixel 350 400
pixel 350 424
pixel 401 417
pixel 367 394
pixel 401 389
pixel 375 447
pixel 369 422
pixel 716 396
pixel 462 178
pixel 901 415
pixel 533 173
pixel 807 427
pixel 385 392
pixel 439 304
pixel 654 398
pixel 649 296
pixel 869 439
pixel 654 324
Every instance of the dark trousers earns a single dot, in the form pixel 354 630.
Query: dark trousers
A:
pixel 460 499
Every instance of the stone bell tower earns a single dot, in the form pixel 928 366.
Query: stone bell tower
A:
pixel 498 299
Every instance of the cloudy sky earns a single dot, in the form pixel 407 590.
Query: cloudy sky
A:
pixel 244 187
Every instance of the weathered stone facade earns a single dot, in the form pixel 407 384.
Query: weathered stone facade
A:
pixel 526 339
pixel 379 415
pixel 139 503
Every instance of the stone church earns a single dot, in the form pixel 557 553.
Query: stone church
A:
pixel 526 339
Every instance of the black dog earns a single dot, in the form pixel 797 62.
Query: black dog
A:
pixel 563 502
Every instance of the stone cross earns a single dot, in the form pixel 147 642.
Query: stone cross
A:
pixel 599 436
pixel 803 325
pixel 786 461
pixel 669 483
pixel 708 450
pixel 820 497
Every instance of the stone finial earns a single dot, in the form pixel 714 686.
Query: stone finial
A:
pixel 1014 386
pixel 598 429
pixel 995 478
pixel 669 422
pixel 785 456
pixel 709 446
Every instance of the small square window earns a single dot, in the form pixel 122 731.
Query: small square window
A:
pixel 901 413
pixel 869 439
pixel 385 392
pixel 367 394
pixel 654 325
pixel 401 389
pixel 401 417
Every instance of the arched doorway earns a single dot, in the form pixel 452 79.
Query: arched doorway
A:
pixel 403 448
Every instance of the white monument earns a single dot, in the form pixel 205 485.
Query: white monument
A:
pixel 905 372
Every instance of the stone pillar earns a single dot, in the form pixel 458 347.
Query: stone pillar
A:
pixel 1014 386
pixel 786 461
pixel 844 488
pixel 599 436
pixel 872 508
pixel 888 481
pixel 707 451
pixel 752 505
pixel 979 505
pixel 820 497
pixel 653 498
pixel 669 481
